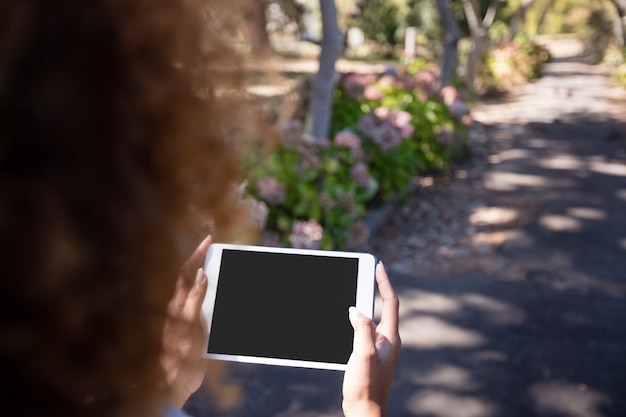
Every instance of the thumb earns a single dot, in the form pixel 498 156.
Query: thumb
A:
pixel 363 332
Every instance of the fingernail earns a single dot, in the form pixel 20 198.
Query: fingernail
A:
pixel 353 311
pixel 199 276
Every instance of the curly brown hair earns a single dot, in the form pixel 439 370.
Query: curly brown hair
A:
pixel 105 145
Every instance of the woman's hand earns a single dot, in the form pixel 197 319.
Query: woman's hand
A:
pixel 370 370
pixel 183 336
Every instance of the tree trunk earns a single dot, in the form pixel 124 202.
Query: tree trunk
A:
pixel 620 23
pixel 253 13
pixel 519 19
pixel 479 37
pixel 479 30
pixel 319 116
pixel 451 37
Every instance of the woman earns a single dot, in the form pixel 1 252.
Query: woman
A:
pixel 105 148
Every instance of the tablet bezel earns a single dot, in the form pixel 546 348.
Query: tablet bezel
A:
pixel 364 297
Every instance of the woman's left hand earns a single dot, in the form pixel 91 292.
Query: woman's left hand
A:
pixel 183 336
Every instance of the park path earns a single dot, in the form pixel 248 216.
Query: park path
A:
pixel 512 275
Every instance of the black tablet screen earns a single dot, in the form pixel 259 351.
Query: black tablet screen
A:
pixel 284 306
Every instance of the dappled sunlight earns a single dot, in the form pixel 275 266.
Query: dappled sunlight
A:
pixel 587 213
pixel 509 181
pixel 567 399
pixel 427 302
pixel 420 301
pixel 441 403
pixel 608 168
pixel 539 143
pixel 489 238
pixel 427 332
pixel 508 155
pixel 560 223
pixel 497 311
pixel 493 215
pixel 561 162
pixel 269 90
pixel 445 376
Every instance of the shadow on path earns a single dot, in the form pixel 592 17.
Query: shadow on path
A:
pixel 548 342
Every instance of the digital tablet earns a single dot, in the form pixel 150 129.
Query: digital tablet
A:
pixel 284 306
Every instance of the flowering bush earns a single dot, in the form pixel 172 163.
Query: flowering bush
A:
pixel 407 125
pixel 385 130
pixel 509 64
pixel 316 191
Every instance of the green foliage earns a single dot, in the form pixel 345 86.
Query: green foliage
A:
pixel 417 65
pixel 315 184
pixel 423 15
pixel 378 19
pixel 597 34
pixel 616 60
pixel 509 64
pixel 386 130
pixel 619 75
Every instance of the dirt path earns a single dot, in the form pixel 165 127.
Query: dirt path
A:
pixel 511 272
pixel 513 276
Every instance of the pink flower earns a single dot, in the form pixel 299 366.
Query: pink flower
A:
pixel 351 142
pixel 309 159
pixel 323 143
pixel 449 94
pixel 382 112
pixel 360 174
pixel 306 234
pixel 401 120
pixel 354 84
pixel 326 201
pixel 373 93
pixel 426 81
pixel 387 128
pixel 387 80
pixel 258 211
pixel 458 108
pixel 268 239
pixel 271 190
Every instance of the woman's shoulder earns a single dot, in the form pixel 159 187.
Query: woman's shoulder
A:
pixel 172 411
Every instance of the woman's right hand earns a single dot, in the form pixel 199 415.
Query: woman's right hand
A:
pixel 371 366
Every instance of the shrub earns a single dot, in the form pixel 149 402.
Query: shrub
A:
pixel 386 129
pixel 616 60
pixel 378 19
pixel 509 64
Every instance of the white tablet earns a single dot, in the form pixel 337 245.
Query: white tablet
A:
pixel 284 306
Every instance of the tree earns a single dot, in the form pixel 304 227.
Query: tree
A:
pixel 451 37
pixel 519 18
pixel 319 115
pixel 378 19
pixel 620 22
pixel 479 29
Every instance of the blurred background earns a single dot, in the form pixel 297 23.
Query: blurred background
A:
pixel 478 147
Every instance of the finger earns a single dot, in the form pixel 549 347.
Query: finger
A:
pixel 195 298
pixel 363 332
pixel 389 317
pixel 196 260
